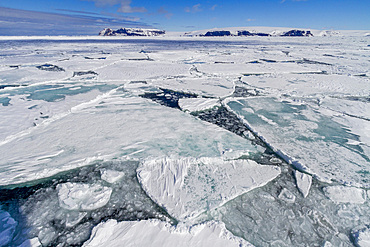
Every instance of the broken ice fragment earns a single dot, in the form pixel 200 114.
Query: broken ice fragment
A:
pixel 159 233
pixel 327 244
pixel 304 182
pixel 46 235
pixel 344 194
pixel 73 218
pixel 287 196
pixel 361 236
pixel 78 196
pixel 197 104
pixel 111 176
pixel 34 242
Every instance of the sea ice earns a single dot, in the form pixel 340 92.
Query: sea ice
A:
pixel 312 140
pixel 361 236
pixel 7 227
pixel 287 196
pixel 304 182
pixel 158 233
pixel 78 196
pixel 34 242
pixel 197 104
pixel 344 194
pixel 111 176
pixel 186 187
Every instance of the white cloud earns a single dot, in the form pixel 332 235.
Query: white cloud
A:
pixel 194 9
pixel 214 7
pixel 24 22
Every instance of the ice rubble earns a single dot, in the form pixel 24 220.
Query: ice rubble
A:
pixel 186 187
pixel 158 233
pixel 91 199
pixel 308 221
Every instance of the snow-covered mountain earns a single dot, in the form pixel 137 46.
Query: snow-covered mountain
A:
pixel 131 32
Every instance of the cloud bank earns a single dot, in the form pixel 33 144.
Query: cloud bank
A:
pixel 24 22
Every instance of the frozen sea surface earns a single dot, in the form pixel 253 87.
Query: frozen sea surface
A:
pixel 236 142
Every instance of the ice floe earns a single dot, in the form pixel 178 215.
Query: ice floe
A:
pixel 110 126
pixel 73 196
pixel 197 104
pixel 186 187
pixel 158 233
pixel 111 176
pixel 312 140
pixel 304 182
pixel 344 194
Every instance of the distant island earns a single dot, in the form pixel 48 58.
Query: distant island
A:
pixel 219 33
pixel 234 32
pixel 131 32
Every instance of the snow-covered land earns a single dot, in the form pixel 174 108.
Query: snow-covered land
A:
pixel 186 141
pixel 131 32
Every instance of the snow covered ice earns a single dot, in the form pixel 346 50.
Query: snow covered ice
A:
pixel 188 187
pixel 185 141
pixel 158 233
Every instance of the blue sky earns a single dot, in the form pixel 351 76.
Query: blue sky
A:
pixel 40 17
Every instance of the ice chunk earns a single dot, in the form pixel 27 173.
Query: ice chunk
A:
pixel 111 176
pixel 7 227
pixel 361 236
pixel 304 182
pixel 287 196
pixel 197 104
pixel 186 187
pixel 344 194
pixel 73 218
pixel 327 244
pixel 78 196
pixel 158 233
pixel 46 235
pixel 34 242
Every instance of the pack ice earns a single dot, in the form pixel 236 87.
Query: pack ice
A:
pixel 189 141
